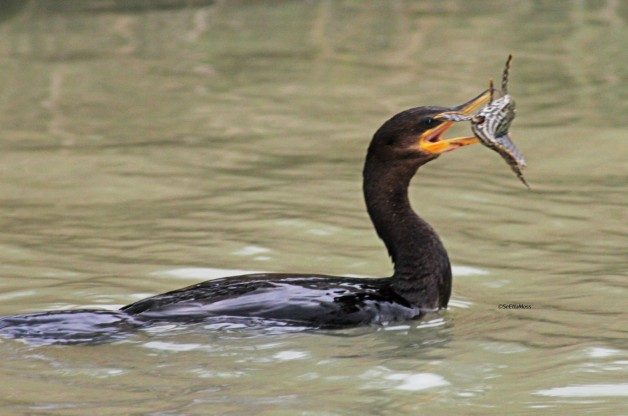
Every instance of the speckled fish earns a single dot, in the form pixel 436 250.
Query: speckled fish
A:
pixel 491 126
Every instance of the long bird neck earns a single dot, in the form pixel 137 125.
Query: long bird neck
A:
pixel 422 273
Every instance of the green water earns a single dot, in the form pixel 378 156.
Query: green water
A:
pixel 146 145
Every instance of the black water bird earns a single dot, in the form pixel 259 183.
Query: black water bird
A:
pixel 421 281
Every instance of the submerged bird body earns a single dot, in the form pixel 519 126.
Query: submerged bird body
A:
pixel 420 283
pixel 253 300
pixel 301 300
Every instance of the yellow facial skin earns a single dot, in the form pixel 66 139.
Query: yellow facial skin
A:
pixel 444 145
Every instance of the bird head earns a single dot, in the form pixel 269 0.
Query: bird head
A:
pixel 417 133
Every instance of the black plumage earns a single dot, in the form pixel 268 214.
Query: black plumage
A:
pixel 420 283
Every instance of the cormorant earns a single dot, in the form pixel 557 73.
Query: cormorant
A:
pixel 420 283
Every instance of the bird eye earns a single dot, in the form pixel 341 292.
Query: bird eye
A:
pixel 429 121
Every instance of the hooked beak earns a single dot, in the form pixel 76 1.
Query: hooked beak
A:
pixel 430 141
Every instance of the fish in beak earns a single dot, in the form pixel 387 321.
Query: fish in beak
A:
pixel 431 142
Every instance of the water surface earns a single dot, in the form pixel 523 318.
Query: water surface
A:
pixel 147 146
